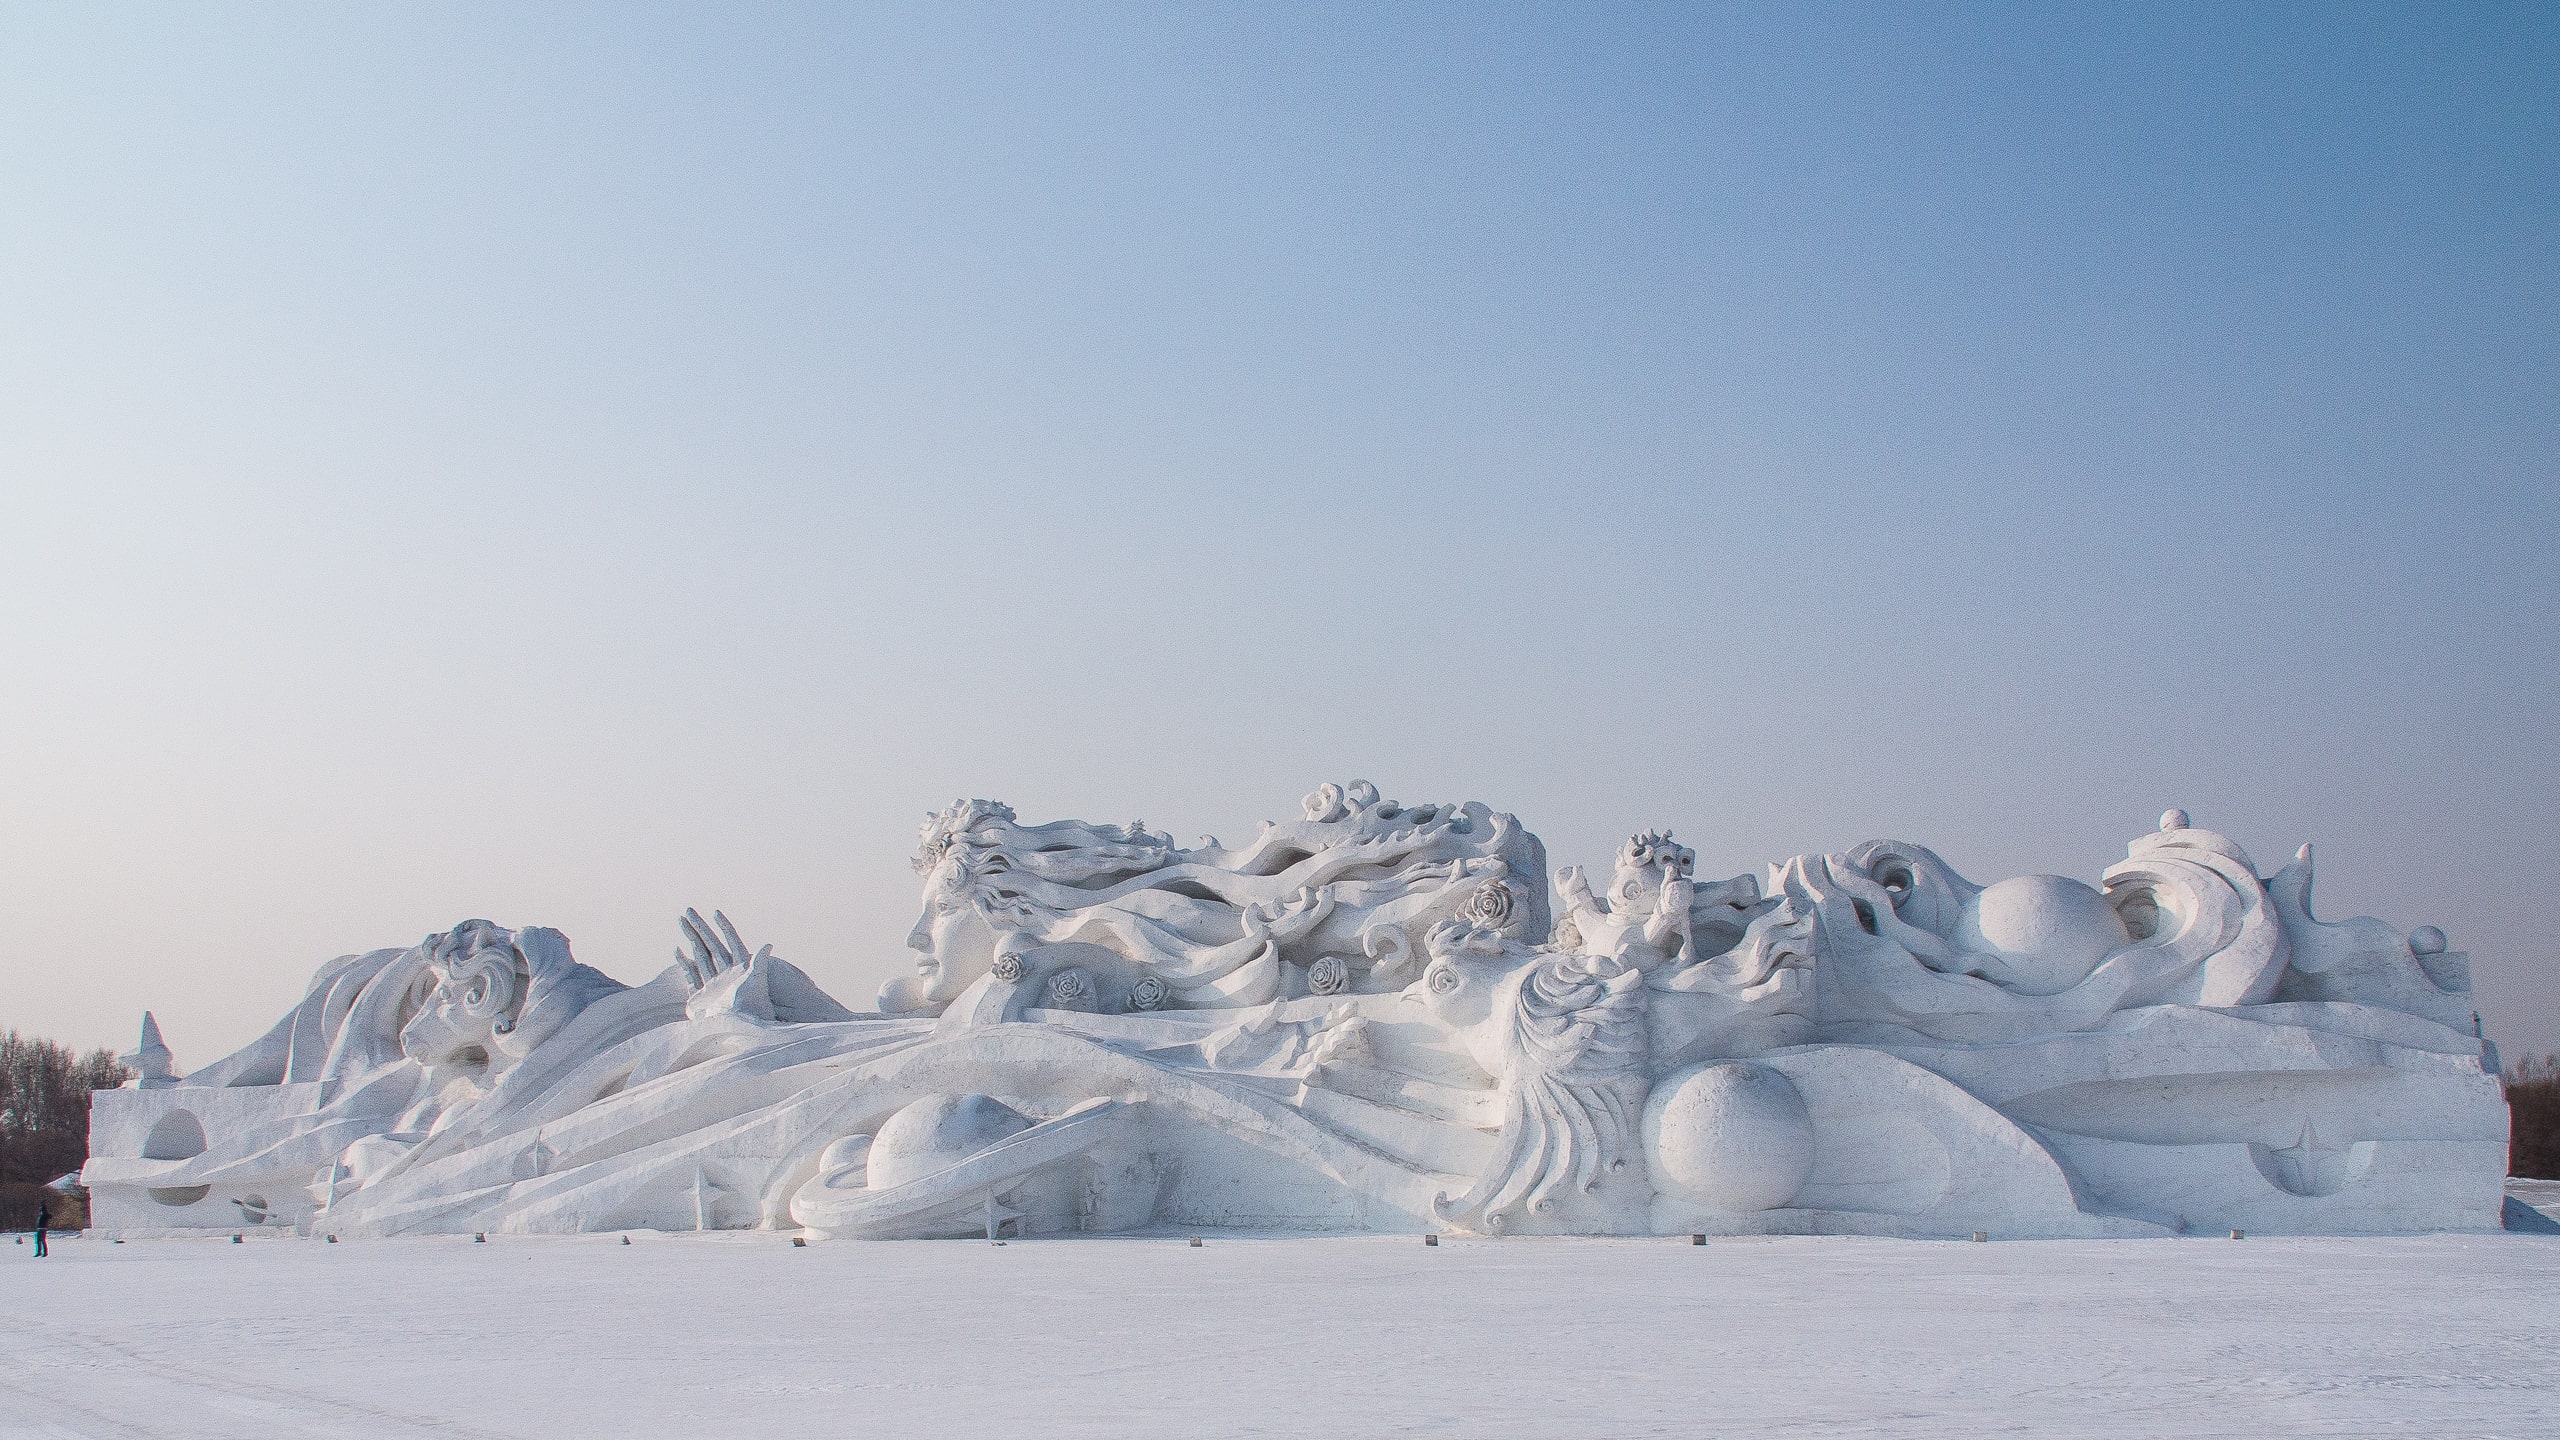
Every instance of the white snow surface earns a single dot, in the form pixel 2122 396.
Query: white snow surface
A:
pixel 2542 1195
pixel 745 1335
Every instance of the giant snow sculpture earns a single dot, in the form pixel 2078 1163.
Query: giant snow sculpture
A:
pixel 1374 1017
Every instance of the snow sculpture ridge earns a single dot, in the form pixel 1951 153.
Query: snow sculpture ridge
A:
pixel 1357 881
pixel 1374 1017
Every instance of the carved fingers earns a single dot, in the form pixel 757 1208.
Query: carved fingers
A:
pixel 716 948
pixel 708 953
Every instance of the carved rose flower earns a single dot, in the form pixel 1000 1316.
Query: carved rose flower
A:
pixel 1489 907
pixel 1149 993
pixel 1328 976
pixel 1070 987
pixel 1008 968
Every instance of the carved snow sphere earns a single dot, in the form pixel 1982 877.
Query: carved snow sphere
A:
pixel 2173 820
pixel 841 1154
pixel 938 1132
pixel 1730 1136
pixel 2426 940
pixel 2039 934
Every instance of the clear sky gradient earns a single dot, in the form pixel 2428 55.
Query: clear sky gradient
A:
pixel 564 464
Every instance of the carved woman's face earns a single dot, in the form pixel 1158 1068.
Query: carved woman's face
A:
pixel 956 941
pixel 475 1001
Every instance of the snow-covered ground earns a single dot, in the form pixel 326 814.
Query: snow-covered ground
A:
pixel 738 1335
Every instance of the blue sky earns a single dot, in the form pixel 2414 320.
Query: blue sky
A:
pixel 566 464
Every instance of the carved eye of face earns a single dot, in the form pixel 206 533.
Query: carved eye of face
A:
pixel 478 994
pixel 1444 980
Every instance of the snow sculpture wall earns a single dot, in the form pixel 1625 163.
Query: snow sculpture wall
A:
pixel 1372 1018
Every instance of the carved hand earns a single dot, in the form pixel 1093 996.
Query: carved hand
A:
pixel 719 967
pixel 715 951
pixel 1678 893
pixel 1577 891
pixel 1670 916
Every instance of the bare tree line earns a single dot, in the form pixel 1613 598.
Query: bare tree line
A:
pixel 2533 1118
pixel 44 1124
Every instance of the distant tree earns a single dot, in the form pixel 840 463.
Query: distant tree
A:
pixel 2533 1117
pixel 44 1122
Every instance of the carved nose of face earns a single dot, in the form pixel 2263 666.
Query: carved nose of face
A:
pixel 921 937
pixel 414 1041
